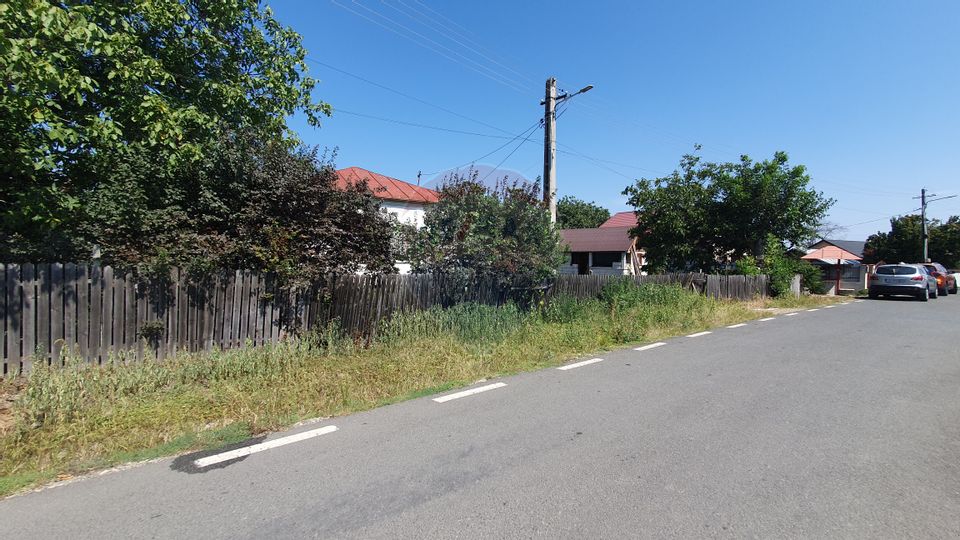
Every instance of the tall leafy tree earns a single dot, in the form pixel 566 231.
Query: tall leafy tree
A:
pixel 83 78
pixel 504 233
pixel 574 213
pixel 904 241
pixel 704 214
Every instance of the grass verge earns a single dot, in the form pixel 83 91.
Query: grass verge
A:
pixel 80 418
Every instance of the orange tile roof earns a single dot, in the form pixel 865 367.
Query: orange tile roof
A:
pixel 621 219
pixel 385 187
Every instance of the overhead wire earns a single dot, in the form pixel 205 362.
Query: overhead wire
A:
pixel 419 125
pixel 502 161
pixel 406 95
pixel 523 136
pixel 483 70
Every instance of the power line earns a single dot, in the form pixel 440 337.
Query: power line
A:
pixel 519 144
pixel 484 70
pixel 419 125
pixel 447 31
pixel 523 136
pixel 404 94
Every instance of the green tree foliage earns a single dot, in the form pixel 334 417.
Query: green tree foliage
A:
pixel 781 267
pixel 88 77
pixel 706 213
pixel 573 213
pixel 904 241
pixel 504 233
pixel 247 204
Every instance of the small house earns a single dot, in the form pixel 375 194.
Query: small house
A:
pixel 602 251
pixel 407 202
pixel 840 264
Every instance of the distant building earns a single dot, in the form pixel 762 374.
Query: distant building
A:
pixel 408 202
pixel 839 264
pixel 621 219
pixel 405 201
pixel 602 251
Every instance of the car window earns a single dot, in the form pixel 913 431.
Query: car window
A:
pixel 896 270
pixel 930 268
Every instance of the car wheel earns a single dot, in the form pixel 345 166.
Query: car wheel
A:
pixel 954 289
pixel 924 296
pixel 942 292
pixel 933 295
pixel 873 295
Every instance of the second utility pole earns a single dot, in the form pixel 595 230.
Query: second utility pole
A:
pixel 550 148
pixel 923 219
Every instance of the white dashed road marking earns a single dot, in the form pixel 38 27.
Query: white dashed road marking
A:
pixel 260 447
pixel 469 392
pixel 698 334
pixel 650 346
pixel 765 319
pixel 857 301
pixel 827 307
pixel 580 364
pixel 790 314
pixel 814 309
pixel 737 325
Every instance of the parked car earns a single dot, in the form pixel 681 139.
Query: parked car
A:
pixel 956 279
pixel 902 280
pixel 946 283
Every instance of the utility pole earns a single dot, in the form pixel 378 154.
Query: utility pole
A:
pixel 924 235
pixel 923 219
pixel 550 148
pixel 550 100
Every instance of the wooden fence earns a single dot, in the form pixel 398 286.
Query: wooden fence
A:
pixel 99 313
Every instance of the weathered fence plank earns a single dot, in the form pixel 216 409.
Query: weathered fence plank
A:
pixel 97 314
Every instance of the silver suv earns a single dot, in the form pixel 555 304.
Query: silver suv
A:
pixel 902 279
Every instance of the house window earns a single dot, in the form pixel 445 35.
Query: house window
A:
pixel 606 258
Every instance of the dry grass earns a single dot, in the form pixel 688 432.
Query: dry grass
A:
pixel 79 418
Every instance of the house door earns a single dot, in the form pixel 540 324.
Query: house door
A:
pixel 582 260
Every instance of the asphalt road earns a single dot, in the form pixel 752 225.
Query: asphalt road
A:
pixel 842 422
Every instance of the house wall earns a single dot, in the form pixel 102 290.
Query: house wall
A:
pixel 406 212
pixel 622 268
pixel 409 213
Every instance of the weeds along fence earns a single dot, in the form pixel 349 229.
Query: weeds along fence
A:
pixel 98 313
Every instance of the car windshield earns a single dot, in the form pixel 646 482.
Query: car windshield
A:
pixel 896 270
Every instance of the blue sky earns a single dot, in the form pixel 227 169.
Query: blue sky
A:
pixel 862 93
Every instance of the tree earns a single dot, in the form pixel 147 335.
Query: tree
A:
pixel 704 214
pixel 573 213
pixel 904 241
pixel 502 233
pixel 248 204
pixel 89 77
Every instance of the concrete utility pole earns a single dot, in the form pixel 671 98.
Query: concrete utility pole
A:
pixel 550 148
pixel 550 100
pixel 924 235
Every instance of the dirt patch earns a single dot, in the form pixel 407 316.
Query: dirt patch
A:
pixel 9 390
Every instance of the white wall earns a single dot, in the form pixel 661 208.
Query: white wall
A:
pixel 406 212
pixel 409 213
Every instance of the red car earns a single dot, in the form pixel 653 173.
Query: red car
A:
pixel 946 282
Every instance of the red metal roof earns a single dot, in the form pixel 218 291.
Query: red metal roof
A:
pixel 385 187
pixel 621 219
pixel 605 239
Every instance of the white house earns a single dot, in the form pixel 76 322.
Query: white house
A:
pixel 407 202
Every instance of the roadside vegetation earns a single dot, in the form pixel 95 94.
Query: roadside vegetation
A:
pixel 67 421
